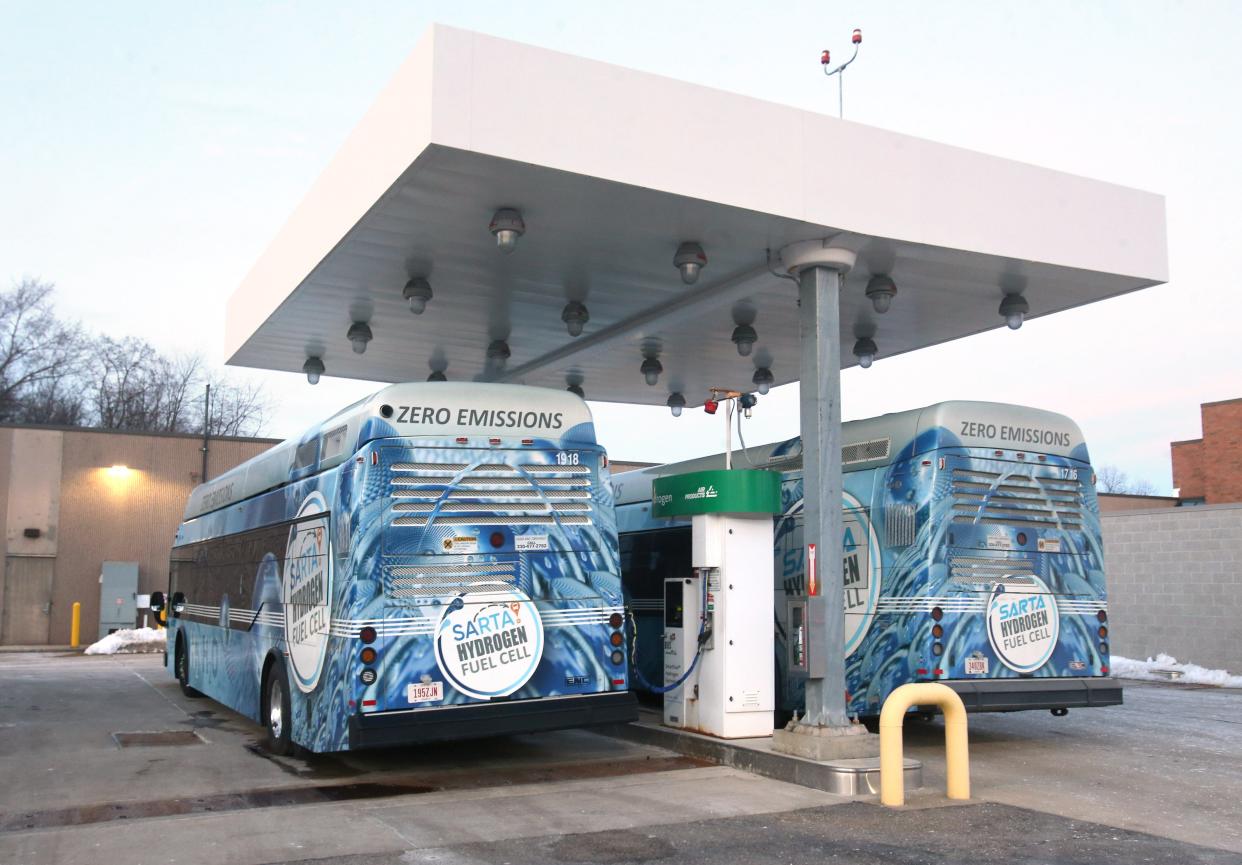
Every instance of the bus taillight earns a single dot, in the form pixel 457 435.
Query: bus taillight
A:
pixel 617 657
pixel 1102 616
pixel 367 635
pixel 615 620
pixel 937 631
pixel 937 614
pixel 368 655
pixel 1103 631
pixel 616 639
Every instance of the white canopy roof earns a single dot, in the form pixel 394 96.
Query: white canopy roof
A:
pixel 611 170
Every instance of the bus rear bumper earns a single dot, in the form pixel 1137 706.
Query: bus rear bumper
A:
pixel 476 720
pixel 1010 695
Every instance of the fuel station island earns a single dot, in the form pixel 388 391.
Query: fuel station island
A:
pixel 507 213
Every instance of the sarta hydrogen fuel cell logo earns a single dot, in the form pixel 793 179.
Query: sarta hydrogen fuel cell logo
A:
pixel 489 643
pixel 1023 624
pixel 308 592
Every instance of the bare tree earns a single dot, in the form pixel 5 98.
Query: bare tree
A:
pixel 1110 479
pixel 53 373
pixel 39 353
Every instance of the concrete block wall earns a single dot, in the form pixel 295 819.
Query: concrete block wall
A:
pixel 1175 584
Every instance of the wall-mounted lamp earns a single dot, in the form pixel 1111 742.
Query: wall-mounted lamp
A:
pixel 498 354
pixel 676 402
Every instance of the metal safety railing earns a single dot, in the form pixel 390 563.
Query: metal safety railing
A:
pixel 956 742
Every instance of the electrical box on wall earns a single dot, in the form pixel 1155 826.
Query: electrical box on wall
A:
pixel 118 588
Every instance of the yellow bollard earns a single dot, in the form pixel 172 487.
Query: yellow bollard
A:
pixel 956 741
pixel 75 629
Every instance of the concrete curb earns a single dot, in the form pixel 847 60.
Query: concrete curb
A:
pixel 779 767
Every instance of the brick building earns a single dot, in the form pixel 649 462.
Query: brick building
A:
pixel 1208 470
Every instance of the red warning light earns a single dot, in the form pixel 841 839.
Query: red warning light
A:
pixel 857 37
pixel 825 58
pixel 710 406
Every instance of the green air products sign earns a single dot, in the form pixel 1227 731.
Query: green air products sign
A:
pixel 739 491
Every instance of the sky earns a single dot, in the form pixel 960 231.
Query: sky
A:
pixel 149 152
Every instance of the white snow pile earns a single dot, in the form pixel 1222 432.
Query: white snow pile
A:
pixel 130 641
pixel 1191 674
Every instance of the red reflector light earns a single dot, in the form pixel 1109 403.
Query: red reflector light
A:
pixel 1104 670
pixel 926 462
pixel 368 702
pixel 998 453
pixel 618 681
pixel 374 458
pixel 937 672
pixel 493 441
pixel 367 634
pixel 1021 456
pixel 921 671
pixel 528 441
pixel 1042 458
pixel 461 440
pixel 497 539
pixel 615 620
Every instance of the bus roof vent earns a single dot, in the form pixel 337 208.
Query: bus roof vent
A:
pixel 861 452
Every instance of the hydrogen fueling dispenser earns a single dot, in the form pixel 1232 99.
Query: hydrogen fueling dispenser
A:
pixel 718 636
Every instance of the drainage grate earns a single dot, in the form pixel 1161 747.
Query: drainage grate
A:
pixel 157 739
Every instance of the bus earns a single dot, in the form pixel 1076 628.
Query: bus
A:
pixel 436 561
pixel 972 557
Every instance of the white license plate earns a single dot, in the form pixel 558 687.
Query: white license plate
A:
pixel 424 692
pixel 976 666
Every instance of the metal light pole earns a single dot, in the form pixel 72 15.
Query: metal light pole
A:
pixel 826 58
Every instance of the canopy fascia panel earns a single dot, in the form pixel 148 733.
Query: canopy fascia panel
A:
pixel 611 170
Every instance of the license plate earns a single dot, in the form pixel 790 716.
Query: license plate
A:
pixel 976 666
pixel 424 692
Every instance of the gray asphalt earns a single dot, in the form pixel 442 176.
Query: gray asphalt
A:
pixel 1157 780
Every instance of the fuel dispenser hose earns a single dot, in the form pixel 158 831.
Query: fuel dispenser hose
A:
pixel 702 638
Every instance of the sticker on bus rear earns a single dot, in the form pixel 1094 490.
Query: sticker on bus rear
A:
pixel 489 643
pixel 308 591
pixel 530 543
pixel 424 692
pixel 977 665
pixel 1023 624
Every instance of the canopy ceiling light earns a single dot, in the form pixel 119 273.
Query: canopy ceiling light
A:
pixel 508 226
pixel 880 291
pixel 575 315
pixel 651 370
pixel 313 369
pixel 576 389
pixel 437 375
pixel 359 335
pixel 417 292
pixel 744 337
pixel 865 350
pixel 690 260
pixel 498 354
pixel 1013 308
pixel 763 379
pixel 676 402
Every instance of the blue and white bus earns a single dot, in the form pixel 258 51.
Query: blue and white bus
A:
pixel 972 557
pixel 436 561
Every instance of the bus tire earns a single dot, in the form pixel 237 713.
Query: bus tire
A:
pixel 181 659
pixel 277 713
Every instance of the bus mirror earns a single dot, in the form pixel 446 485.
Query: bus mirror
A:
pixel 156 603
pixel 178 603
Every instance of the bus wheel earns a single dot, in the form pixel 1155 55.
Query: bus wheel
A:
pixel 182 660
pixel 277 716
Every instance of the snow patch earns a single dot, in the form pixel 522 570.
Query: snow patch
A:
pixel 1128 668
pixel 130 641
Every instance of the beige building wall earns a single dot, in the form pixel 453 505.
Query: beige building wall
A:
pixel 128 515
